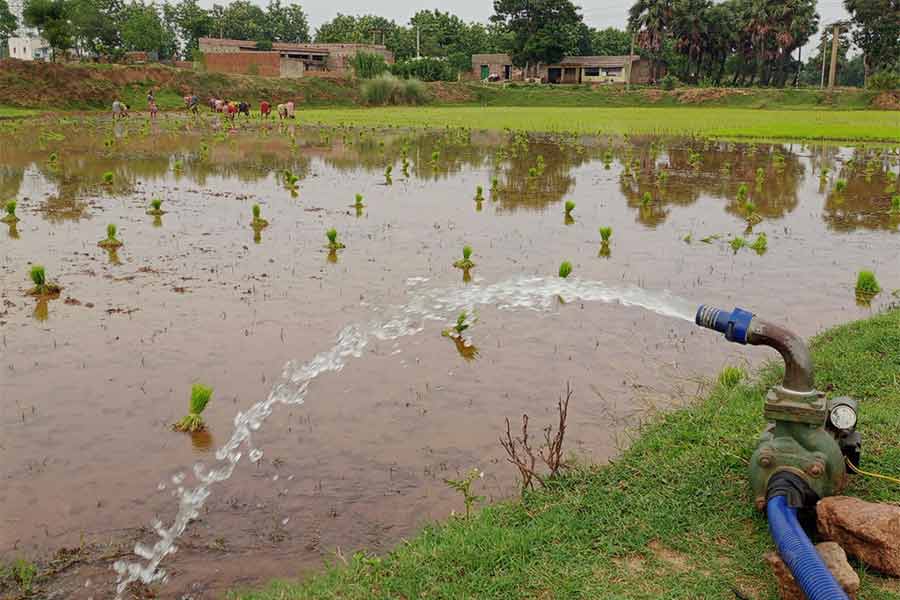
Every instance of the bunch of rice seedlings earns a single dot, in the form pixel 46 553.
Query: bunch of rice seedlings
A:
pixel 479 194
pixel 840 185
pixel 646 199
pixel 42 287
pixel 761 244
pixel 111 242
pixel 463 322
pixel 605 234
pixel 258 222
pixel 737 243
pixel 742 192
pixel 333 243
pixel 10 212
pixel 895 204
pixel 565 269
pixel 466 262
pixel 108 178
pixel 193 422
pixel 866 285
pixel 495 184
pixel 156 208
pixel 570 206
pixel 178 166
pixel 760 176
pixel 358 203
pixel 387 174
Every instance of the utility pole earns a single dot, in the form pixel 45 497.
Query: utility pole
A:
pixel 832 73
pixel 630 55
pixel 822 56
pixel 417 41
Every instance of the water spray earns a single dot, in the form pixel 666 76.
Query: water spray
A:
pixel 802 454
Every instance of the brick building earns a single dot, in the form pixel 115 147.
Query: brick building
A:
pixel 571 69
pixel 284 59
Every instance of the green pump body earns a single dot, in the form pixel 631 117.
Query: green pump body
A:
pixel 801 436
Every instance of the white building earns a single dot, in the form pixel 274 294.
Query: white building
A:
pixel 29 48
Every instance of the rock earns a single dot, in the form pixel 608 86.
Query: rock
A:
pixel 868 531
pixel 834 558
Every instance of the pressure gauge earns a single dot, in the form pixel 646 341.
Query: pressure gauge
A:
pixel 843 417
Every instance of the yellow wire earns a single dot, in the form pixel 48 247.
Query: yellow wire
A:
pixel 856 469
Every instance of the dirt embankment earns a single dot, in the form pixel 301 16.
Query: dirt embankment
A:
pixel 38 84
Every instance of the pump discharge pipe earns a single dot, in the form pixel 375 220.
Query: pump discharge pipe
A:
pixel 801 454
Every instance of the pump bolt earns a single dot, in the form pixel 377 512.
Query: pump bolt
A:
pixel 765 461
pixel 816 469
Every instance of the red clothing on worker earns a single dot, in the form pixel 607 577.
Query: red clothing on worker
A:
pixel 264 107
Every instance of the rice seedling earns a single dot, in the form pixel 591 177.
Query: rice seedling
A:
pixel 178 166
pixel 193 422
pixel 569 207
pixel 823 175
pixel 742 192
pixel 565 269
pixel 866 285
pixel 687 239
pixel 53 157
pixel 10 216
pixel 895 204
pixel 495 184
pixel 358 202
pixel 466 262
pixel 42 287
pixel 463 321
pixel 737 243
pixel 333 243
pixel 607 159
pixel 646 199
pixel 605 234
pixel 479 194
pixel 726 168
pixel 760 176
pixel 662 177
pixel 156 208
pixel 258 222
pixel 435 157
pixel 108 178
pixel 111 242
pixel 532 172
pixel 387 174
pixel 760 244
pixel 840 185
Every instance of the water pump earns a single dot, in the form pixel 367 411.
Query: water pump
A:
pixel 807 436
pixel 801 454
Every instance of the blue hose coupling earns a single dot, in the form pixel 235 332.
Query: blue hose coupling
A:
pixel 734 325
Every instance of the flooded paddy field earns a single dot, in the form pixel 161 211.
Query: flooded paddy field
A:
pixel 359 442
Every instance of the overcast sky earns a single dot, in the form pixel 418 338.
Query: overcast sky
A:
pixel 597 13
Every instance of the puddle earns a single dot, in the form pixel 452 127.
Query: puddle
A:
pixel 92 381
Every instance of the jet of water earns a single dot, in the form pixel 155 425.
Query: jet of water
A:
pixel 530 293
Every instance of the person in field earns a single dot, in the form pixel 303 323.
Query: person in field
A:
pixel 282 111
pixel 244 108
pixel 289 110
pixel 194 104
pixel 117 108
pixel 231 111
pixel 153 109
pixel 264 109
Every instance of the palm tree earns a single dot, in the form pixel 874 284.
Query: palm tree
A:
pixel 652 20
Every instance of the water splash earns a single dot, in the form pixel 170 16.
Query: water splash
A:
pixel 529 293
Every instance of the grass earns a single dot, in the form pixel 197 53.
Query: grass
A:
pixel 8 112
pixel 672 517
pixel 719 122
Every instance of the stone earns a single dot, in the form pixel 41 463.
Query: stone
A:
pixel 834 558
pixel 866 530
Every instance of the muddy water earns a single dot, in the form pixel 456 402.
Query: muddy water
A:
pixel 92 381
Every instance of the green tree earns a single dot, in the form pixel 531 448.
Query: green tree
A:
pixel 8 24
pixel 51 18
pixel 877 32
pixel 142 30
pixel 95 25
pixel 542 30
pixel 240 20
pixel 653 21
pixel 192 22
pixel 610 42
pixel 286 23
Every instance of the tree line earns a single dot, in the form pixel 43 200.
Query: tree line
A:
pixel 736 42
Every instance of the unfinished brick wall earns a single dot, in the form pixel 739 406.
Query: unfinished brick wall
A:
pixel 266 64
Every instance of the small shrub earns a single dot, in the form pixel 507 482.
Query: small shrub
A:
pixel 387 89
pixel 729 377
pixel 10 207
pixel 110 242
pixel 464 487
pixel 466 262
pixel 367 65
pixel 867 285
pixel 193 422
pixel 333 243
pixel 669 82
pixel 884 81
pixel 565 269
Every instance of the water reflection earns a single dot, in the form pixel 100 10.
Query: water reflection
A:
pixel 525 171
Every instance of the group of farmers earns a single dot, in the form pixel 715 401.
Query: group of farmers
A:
pixel 229 108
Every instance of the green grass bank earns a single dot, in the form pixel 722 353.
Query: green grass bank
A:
pixel 671 518
pixel 709 121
